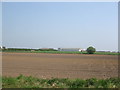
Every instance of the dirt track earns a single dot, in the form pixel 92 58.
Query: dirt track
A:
pixel 60 65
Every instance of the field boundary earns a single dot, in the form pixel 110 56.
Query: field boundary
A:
pixel 33 82
pixel 65 52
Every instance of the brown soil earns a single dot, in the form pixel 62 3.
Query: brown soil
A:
pixel 59 65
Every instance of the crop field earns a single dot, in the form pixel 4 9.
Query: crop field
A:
pixel 43 65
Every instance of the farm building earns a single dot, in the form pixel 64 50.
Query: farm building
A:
pixel 71 49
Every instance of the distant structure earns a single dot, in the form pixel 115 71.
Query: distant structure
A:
pixel 46 48
pixel 3 47
pixel 71 49
pixel 109 51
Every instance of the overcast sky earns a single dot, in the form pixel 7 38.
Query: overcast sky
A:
pixel 65 25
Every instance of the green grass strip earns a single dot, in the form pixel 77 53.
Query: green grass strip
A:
pixel 32 82
pixel 64 52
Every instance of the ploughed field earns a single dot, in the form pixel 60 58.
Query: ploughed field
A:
pixel 44 65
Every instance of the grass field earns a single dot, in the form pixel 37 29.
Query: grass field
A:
pixel 39 68
pixel 64 52
pixel 32 82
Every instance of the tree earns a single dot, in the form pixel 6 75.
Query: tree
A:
pixel 3 47
pixel 91 50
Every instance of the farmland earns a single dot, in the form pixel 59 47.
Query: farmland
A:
pixel 60 65
pixel 59 70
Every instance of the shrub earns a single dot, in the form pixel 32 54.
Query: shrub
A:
pixel 91 50
pixel 32 82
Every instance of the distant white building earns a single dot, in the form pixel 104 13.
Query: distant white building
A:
pixel 71 49
pixel 80 50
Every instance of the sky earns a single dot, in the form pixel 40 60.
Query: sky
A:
pixel 60 25
pixel 0 24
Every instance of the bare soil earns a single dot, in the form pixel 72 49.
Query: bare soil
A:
pixel 44 65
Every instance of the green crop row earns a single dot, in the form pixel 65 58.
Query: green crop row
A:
pixel 32 82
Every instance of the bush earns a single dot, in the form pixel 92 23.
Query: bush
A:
pixel 32 82
pixel 91 50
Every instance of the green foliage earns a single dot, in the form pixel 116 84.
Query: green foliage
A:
pixel 31 82
pixel 16 49
pixel 107 53
pixel 77 83
pixel 91 50
pixel 60 52
pixel 20 49
pixel 4 47
pixel 91 82
pixel 46 50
